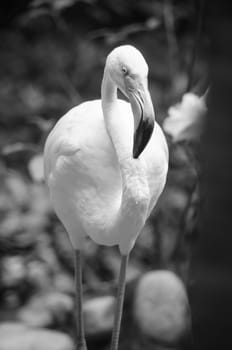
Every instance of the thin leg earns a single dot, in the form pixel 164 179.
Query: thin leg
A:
pixel 119 305
pixel 81 343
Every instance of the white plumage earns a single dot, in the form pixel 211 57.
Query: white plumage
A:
pixel 83 173
pixel 104 166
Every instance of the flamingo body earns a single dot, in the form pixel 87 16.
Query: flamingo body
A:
pixel 82 171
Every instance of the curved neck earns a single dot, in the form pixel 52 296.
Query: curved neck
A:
pixel 135 191
pixel 115 119
pixel 108 90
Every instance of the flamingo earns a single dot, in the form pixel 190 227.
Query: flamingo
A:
pixel 105 166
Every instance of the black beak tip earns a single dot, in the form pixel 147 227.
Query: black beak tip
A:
pixel 136 153
pixel 142 137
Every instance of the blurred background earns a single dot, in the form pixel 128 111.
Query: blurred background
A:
pixel 52 55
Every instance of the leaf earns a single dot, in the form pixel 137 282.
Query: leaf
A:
pixel 186 119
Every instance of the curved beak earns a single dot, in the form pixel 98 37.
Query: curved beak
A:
pixel 144 116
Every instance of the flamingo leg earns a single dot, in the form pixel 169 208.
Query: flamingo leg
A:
pixel 81 343
pixel 119 303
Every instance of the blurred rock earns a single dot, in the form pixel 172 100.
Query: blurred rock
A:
pixel 161 307
pixel 47 310
pixel 38 275
pixel 35 314
pixel 99 315
pixel 15 336
pixel 64 283
pixel 13 271
pixel 61 306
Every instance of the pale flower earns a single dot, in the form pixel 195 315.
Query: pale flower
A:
pixel 185 120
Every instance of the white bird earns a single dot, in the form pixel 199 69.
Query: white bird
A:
pixel 106 167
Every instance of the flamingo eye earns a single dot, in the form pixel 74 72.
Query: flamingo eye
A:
pixel 124 70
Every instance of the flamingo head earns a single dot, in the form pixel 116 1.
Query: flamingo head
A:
pixel 129 70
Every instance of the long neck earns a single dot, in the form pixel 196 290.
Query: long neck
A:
pixel 114 119
pixel 135 191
